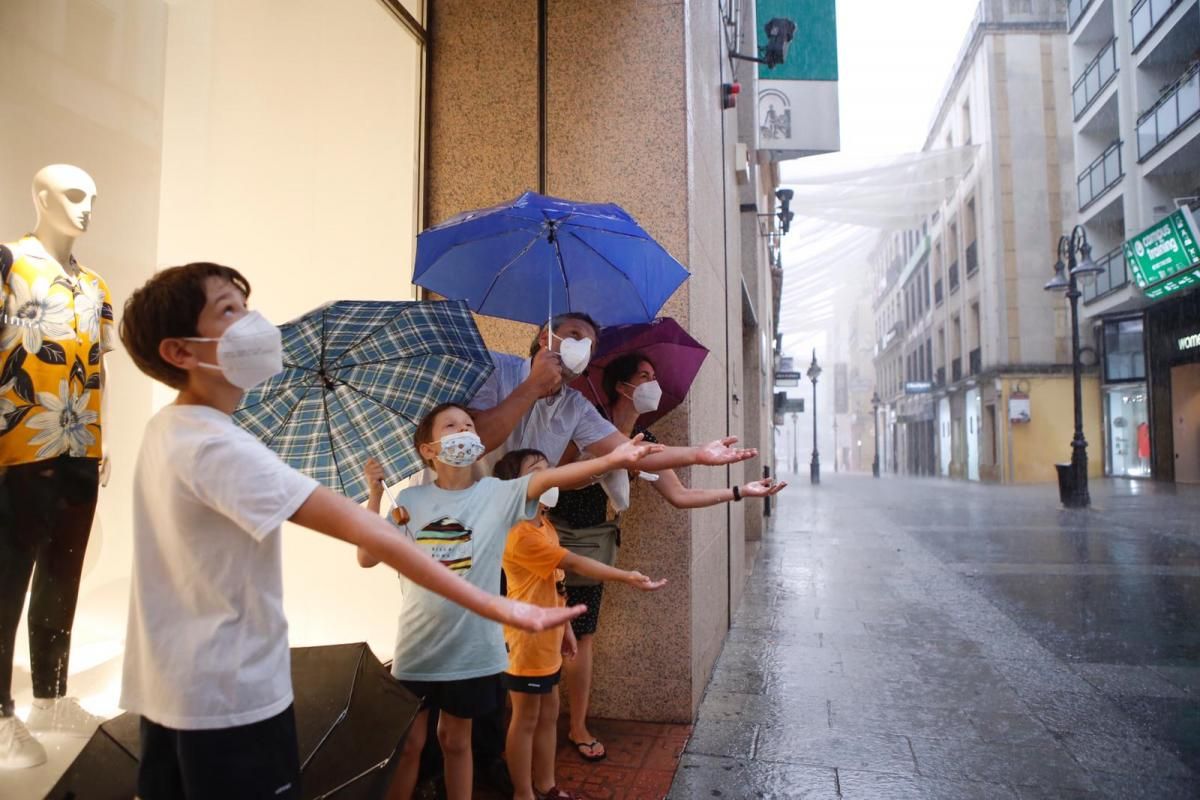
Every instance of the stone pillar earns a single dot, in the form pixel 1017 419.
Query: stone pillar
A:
pixel 632 113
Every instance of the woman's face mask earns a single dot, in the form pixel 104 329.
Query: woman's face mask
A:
pixel 646 396
pixel 549 497
pixel 249 352
pixel 460 449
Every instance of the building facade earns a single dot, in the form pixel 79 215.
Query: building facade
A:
pixel 1135 99
pixel 960 309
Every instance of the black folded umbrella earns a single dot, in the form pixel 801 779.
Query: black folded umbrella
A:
pixel 351 717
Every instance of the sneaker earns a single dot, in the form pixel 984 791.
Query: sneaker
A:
pixel 62 715
pixel 18 748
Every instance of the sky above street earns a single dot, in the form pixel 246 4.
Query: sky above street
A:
pixel 894 58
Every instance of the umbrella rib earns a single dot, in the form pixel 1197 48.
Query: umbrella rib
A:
pixel 511 261
pixel 337 467
pixel 619 271
pixel 280 428
pixel 370 399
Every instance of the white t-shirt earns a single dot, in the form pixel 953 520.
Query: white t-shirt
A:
pixel 466 531
pixel 553 422
pixel 206 645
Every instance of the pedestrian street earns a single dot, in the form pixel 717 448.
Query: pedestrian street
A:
pixel 926 638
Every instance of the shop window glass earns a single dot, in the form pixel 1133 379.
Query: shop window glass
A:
pixel 1124 357
pixel 1128 427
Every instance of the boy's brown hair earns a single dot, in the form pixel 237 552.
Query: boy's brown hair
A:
pixel 168 306
pixel 509 467
pixel 424 432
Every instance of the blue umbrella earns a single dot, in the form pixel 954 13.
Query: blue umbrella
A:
pixel 537 255
pixel 358 377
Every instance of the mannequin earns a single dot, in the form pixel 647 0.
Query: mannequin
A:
pixel 55 329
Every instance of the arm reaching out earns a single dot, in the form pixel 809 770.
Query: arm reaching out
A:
pixel 339 517
pixel 591 568
pixel 716 453
pixel 680 496
pixel 628 454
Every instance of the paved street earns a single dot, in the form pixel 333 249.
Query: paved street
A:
pixel 921 638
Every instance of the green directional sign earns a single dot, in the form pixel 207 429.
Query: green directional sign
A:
pixel 1164 257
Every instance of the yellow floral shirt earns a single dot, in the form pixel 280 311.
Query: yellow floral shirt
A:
pixel 54 329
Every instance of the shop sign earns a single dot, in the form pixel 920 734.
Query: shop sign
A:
pixel 787 378
pixel 1189 342
pixel 1018 407
pixel 918 387
pixel 792 405
pixel 1163 257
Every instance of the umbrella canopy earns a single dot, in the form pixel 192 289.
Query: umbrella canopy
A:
pixel 537 255
pixel 676 355
pixel 351 717
pixel 358 377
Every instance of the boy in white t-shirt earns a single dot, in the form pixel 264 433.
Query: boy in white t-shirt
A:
pixel 452 660
pixel 206 660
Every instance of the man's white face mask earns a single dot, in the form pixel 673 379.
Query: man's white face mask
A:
pixel 575 354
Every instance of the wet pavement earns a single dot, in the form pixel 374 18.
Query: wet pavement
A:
pixel 922 638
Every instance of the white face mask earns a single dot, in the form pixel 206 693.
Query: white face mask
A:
pixel 646 396
pixel 575 354
pixel 549 497
pixel 460 449
pixel 249 352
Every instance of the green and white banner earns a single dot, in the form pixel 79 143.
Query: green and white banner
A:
pixel 798 99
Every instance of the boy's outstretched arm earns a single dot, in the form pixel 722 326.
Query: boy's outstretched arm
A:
pixel 591 568
pixel 714 454
pixel 336 516
pixel 626 455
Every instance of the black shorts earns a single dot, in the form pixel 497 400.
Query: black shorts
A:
pixel 585 624
pixel 530 684
pixel 468 698
pixel 250 761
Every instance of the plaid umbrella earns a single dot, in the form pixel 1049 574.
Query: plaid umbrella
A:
pixel 357 378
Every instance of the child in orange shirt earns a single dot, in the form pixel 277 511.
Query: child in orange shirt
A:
pixel 533 564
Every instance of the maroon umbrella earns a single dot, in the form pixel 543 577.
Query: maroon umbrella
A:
pixel 676 355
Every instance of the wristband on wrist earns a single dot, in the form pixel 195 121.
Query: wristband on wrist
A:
pixel 737 494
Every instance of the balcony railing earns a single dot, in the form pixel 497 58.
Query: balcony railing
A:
pixel 1100 176
pixel 1075 11
pixel 1177 107
pixel 1097 75
pixel 975 361
pixel 1114 276
pixel 953 275
pixel 941 376
pixel 937 291
pixel 972 259
pixel 1145 18
pixel 956 369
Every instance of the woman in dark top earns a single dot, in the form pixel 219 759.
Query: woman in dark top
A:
pixel 631 388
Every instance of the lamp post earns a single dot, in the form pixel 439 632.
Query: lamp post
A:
pixel 1073 477
pixel 875 432
pixel 795 442
pixel 813 373
pixel 835 444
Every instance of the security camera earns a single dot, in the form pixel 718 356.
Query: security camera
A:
pixel 779 35
pixel 785 195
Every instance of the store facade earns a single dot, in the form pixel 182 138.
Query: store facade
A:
pixel 1173 348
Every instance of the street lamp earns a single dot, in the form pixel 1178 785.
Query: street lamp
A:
pixel 1073 477
pixel 875 402
pixel 835 443
pixel 813 373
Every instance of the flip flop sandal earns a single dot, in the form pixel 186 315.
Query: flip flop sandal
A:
pixel 554 793
pixel 590 746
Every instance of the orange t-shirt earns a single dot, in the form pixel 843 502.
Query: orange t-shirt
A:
pixel 531 558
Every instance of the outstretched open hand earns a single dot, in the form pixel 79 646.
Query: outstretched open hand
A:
pixel 722 451
pixel 639 581
pixel 629 453
pixel 764 488
pixel 536 618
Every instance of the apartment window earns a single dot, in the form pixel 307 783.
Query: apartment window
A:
pixel 966 122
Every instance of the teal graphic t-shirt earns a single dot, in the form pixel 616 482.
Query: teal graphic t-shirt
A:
pixel 466 530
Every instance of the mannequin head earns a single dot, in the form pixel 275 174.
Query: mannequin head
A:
pixel 63 196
